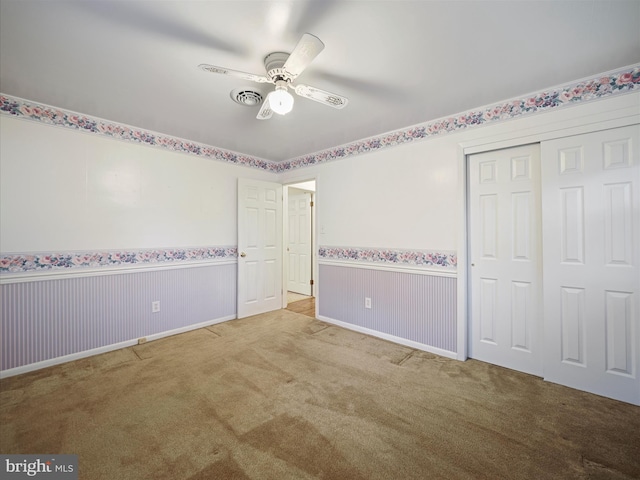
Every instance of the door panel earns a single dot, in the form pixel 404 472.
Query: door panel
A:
pixel 520 312
pixel 617 222
pixel 488 306
pixel 504 193
pixel 591 225
pixel 259 247
pixel 619 327
pixel 572 320
pixel 572 217
pixel 521 221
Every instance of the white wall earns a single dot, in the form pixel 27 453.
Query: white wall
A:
pixel 64 190
pixel 397 198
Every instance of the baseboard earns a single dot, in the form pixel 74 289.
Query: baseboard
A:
pixel 188 328
pixel 107 348
pixel 391 338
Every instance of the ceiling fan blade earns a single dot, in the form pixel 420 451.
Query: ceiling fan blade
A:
pixel 317 95
pixel 265 112
pixel 306 50
pixel 234 73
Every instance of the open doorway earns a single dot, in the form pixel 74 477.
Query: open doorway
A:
pixel 299 246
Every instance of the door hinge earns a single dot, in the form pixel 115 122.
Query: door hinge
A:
pixel 310 282
pixel 311 204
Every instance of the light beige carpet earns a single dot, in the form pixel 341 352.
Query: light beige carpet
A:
pixel 284 396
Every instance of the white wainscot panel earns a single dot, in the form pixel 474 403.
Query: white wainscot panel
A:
pixel 51 321
pixel 418 308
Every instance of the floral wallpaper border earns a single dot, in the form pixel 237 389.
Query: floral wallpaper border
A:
pixel 65 261
pixel 59 261
pixel 599 87
pixel 18 107
pixel 620 81
pixel 419 258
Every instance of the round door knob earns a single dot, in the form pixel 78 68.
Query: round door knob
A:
pixel 243 254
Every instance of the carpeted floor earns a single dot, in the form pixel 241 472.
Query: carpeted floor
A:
pixel 284 396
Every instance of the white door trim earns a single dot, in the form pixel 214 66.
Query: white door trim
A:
pixel 314 234
pixel 298 241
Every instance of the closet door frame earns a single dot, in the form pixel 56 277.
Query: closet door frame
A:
pixel 612 113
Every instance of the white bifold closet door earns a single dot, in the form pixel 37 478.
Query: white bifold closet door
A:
pixel 591 242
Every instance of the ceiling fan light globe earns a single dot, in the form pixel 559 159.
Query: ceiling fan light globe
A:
pixel 281 101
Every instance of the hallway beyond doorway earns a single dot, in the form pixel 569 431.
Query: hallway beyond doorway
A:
pixel 306 306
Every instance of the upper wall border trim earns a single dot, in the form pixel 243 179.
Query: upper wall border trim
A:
pixel 624 80
pixel 414 258
pixel 49 115
pixel 37 263
pixel 619 81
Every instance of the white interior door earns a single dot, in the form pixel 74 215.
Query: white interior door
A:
pixel 299 242
pixel 504 228
pixel 259 247
pixel 591 212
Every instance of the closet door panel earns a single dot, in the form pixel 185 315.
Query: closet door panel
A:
pixel 591 278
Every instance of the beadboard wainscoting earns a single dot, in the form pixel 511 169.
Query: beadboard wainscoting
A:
pixel 66 317
pixel 415 308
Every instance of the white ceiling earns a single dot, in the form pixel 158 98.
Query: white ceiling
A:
pixel 399 62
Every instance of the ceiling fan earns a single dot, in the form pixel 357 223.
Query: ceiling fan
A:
pixel 282 69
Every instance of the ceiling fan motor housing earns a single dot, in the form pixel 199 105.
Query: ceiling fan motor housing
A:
pixel 273 64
